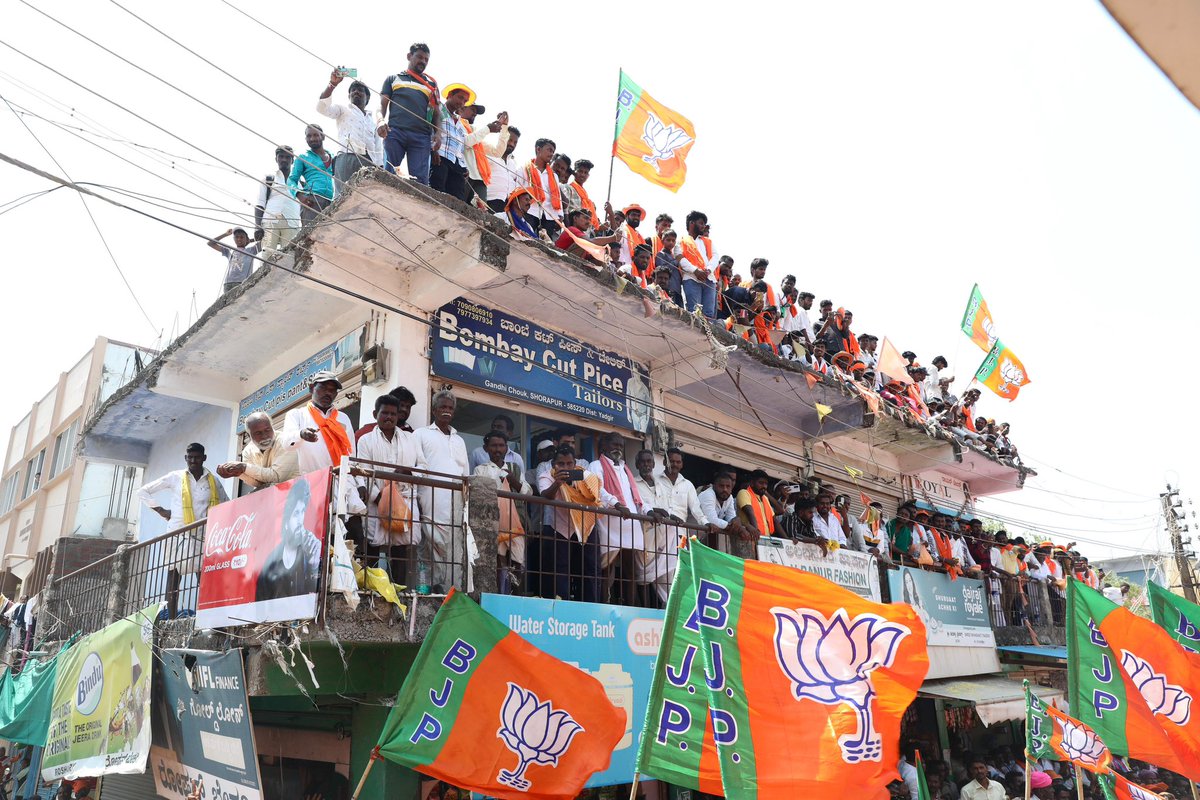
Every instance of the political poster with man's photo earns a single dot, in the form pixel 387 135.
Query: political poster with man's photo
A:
pixel 263 555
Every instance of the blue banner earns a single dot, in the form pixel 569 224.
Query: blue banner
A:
pixel 616 645
pixel 485 348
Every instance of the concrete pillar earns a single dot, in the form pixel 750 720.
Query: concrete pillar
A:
pixel 483 517
pixel 120 584
pixel 387 781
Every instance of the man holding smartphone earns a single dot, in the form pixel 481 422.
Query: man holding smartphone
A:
pixel 568 565
pixel 363 146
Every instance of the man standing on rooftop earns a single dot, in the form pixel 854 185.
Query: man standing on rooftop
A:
pixel 697 262
pixel 315 170
pixel 409 103
pixel 356 131
pixel 448 172
pixel 537 176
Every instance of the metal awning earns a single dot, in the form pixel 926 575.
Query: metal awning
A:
pixel 996 698
pixel 1048 652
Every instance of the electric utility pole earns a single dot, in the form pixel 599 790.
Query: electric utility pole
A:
pixel 1172 509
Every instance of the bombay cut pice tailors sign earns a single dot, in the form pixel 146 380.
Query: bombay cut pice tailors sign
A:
pixel 482 347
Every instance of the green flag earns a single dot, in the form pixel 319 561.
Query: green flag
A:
pixel 922 782
pixel 677 744
pixel 1095 689
pixel 26 700
pixel 1180 617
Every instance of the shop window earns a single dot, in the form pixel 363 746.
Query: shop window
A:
pixel 33 474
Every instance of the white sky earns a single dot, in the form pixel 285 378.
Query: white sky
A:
pixel 890 155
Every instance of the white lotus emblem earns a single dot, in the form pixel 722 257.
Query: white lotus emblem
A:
pixel 1163 698
pixel 535 732
pixel 989 328
pixel 663 140
pixel 1012 375
pixel 831 661
pixel 1081 744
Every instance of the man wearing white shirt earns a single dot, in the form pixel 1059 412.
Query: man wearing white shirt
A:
pixel 908 773
pixel 505 175
pixel 619 537
pixel 568 562
pixel 192 492
pixel 312 429
pixel 481 149
pixel 829 523
pixel 441 449
pixel 504 425
pixel 357 134
pixel 698 263
pixel 387 444
pixel 675 499
pixel 277 214
pixel 720 509
pixel 546 213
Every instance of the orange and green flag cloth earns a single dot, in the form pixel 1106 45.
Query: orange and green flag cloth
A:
pixel 485 710
pixel 651 139
pixel 1049 733
pixel 1132 683
pixel 1177 616
pixel 807 682
pixel 1002 372
pixel 977 321
pixel 922 781
pixel 1117 787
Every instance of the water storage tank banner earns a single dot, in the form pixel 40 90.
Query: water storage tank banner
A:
pixel 100 720
pixel 481 347
pixel 615 644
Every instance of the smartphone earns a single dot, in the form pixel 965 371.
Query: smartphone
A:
pixel 348 72
pixel 575 474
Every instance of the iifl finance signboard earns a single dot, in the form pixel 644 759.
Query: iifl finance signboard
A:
pixel 485 348
pixel 263 554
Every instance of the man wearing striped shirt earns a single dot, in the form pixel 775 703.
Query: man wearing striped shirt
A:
pixel 448 169
pixel 411 109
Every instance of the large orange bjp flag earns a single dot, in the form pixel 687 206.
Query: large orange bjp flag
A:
pixel 805 683
pixel 650 138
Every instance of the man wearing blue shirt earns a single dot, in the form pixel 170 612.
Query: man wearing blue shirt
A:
pixel 411 108
pixel 315 170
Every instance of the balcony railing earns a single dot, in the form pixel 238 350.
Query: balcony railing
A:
pixel 435 531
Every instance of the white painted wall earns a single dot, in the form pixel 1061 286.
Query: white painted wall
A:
pixel 212 428
pixel 50 526
pixel 16 445
pixel 407 342
pixel 75 387
pixel 94 496
pixel 43 418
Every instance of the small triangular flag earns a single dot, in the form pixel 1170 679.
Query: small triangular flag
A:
pixel 852 472
pixel 823 411
pixel 621 284
pixel 866 501
pixel 812 379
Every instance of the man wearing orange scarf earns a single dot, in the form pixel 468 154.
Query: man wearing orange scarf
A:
pixel 479 149
pixel 568 563
pixel 320 433
pixel 577 196
pixel 537 176
pixel 410 106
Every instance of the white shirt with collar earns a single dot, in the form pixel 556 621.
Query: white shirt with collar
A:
pixel 267 467
pixel 973 791
pixel 280 203
pixel 172 483
pixel 616 532
pixel 356 130
pixel 830 528
pixel 441 452
pixel 401 451
pixel 908 774
pixel 718 514
pixel 491 470
pixel 505 177
pixel 958 546
pixel 480 456
pixel 311 455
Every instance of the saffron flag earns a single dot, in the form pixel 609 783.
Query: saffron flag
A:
pixel 1049 733
pixel 1116 787
pixel 650 138
pixel 977 321
pixel 485 710
pixel 1179 617
pixel 1131 683
pixel 807 681
pixel 677 742
pixel 891 363
pixel 1002 372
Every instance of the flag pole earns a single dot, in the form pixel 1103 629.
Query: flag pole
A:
pixel 361 781
pixel 1195 794
pixel 612 158
pixel 633 788
pixel 1078 782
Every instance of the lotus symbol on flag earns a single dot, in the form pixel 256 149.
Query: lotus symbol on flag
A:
pixel 1081 744
pixel 1012 374
pixel 534 731
pixel 663 140
pixel 831 661
pixel 1163 699
pixel 989 328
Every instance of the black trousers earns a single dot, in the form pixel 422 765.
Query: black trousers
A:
pixel 448 178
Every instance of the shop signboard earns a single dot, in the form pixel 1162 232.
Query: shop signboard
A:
pixel 490 350
pixel 338 357
pixel 100 717
pixel 955 612
pixel 616 645
pixel 858 572
pixel 209 729
pixel 262 554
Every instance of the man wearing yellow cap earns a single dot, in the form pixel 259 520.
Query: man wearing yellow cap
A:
pixel 448 164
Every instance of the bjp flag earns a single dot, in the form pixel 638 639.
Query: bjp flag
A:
pixel 1049 733
pixel 1117 787
pixel 977 321
pixel 650 138
pixel 485 710
pixel 1132 683
pixel 1002 372
pixel 807 682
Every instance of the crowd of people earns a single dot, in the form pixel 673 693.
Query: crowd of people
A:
pixel 1000 775
pixel 436 133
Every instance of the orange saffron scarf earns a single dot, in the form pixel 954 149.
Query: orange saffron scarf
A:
pixel 337 441
pixel 481 160
pixel 585 201
pixel 535 185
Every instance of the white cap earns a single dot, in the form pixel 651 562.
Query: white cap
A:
pixel 543 444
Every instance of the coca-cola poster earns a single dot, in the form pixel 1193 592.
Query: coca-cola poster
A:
pixel 263 555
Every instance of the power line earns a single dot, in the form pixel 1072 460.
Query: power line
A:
pixel 95 224
pixel 269 29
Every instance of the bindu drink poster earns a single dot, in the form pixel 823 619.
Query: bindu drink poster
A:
pixel 100 720
pixel 263 555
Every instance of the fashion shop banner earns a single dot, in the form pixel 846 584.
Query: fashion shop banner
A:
pixel 262 554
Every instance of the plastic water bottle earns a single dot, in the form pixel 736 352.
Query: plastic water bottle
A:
pixel 422 576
